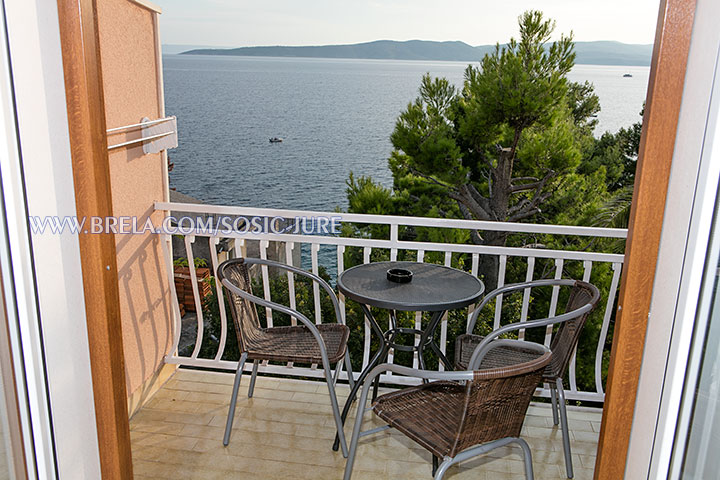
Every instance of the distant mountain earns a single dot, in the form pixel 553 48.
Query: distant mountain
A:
pixel 613 53
pixel 176 48
pixel 596 53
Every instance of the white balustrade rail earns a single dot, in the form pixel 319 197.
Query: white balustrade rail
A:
pixel 294 241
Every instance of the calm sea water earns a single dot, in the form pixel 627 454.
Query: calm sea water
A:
pixel 334 115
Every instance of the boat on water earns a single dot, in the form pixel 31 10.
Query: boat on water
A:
pixel 276 140
pixel 627 75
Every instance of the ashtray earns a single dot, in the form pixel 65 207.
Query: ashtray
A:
pixel 399 275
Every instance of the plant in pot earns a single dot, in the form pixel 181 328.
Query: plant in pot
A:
pixel 183 282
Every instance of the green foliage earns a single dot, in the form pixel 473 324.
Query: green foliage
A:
pixel 584 105
pixel 617 152
pixel 620 151
pixel 183 262
pixel 615 212
pixel 213 327
pixel 520 84
pixel 304 299
pixel 495 149
pixel 515 143
pixel 369 197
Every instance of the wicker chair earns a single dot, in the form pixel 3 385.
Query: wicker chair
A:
pixel 462 414
pixel 582 300
pixel 323 344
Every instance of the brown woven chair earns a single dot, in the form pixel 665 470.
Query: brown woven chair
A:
pixel 323 344
pixel 463 414
pixel 582 300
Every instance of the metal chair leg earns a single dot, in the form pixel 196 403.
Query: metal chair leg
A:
pixel 443 468
pixel 484 448
pixel 251 388
pixel 565 428
pixel 233 399
pixel 354 391
pixel 553 400
pixel 356 431
pixel 527 458
pixel 335 407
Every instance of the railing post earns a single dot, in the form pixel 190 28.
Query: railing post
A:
pixel 189 240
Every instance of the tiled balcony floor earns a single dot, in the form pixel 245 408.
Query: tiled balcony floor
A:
pixel 286 430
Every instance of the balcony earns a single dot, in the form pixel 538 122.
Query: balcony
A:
pixel 288 426
pixel 286 429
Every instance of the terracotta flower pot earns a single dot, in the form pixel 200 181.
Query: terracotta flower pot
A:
pixel 183 286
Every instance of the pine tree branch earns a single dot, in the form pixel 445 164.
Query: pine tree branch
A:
pixel 536 185
pixel 525 214
pixel 523 179
pixel 429 178
pixel 465 196
pixel 482 201
pixel 528 207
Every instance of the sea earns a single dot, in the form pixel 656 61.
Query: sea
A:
pixel 335 116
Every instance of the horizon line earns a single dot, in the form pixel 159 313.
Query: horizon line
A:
pixel 385 40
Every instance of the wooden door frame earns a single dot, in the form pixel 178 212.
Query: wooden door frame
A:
pixel 657 145
pixel 91 174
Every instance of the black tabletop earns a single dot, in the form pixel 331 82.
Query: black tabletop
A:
pixel 433 287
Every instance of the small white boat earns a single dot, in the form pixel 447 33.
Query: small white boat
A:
pixel 276 140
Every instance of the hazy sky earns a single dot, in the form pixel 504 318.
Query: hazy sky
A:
pixel 319 22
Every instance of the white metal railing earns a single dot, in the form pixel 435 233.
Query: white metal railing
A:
pixel 292 242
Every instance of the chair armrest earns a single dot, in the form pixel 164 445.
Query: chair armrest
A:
pixel 513 287
pixel 280 308
pixel 417 373
pixel 470 374
pixel 478 353
pixel 300 271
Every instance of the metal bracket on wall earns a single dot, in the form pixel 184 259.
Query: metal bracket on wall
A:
pixel 155 135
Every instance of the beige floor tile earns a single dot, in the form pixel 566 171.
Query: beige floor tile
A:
pixel 165 441
pixel 583 448
pixel 584 413
pixel 286 430
pixel 537 421
pixel 583 473
pixel 301 386
pixel 208 397
pixel 192 386
pixel 584 436
pixel 581 426
pixel 155 426
pixel 587 461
